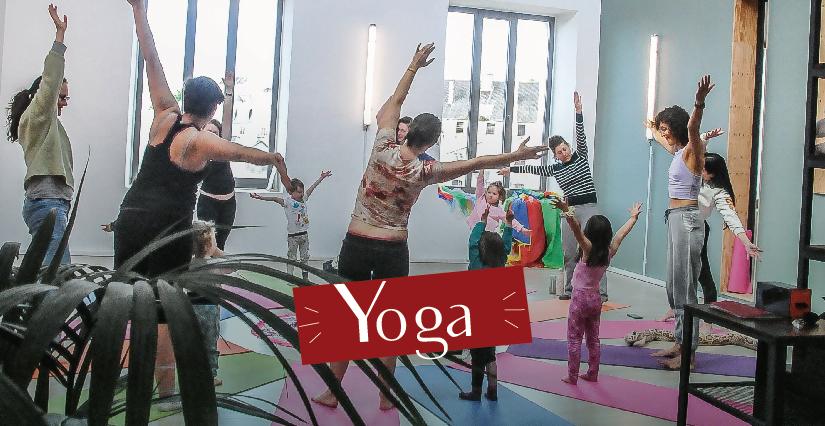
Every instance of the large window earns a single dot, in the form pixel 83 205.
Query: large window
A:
pixel 214 38
pixel 497 77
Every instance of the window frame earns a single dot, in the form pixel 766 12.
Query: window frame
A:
pixel 228 104
pixel 475 81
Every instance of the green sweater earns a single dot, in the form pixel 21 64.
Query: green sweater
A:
pixel 46 146
pixel 475 237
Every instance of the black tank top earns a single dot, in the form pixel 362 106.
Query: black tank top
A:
pixel 161 186
pixel 218 179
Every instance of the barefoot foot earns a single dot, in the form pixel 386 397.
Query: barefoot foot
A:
pixel 590 377
pixel 326 399
pixel 569 380
pixel 670 352
pixel 385 404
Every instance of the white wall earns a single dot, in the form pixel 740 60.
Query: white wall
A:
pixel 2 27
pixel 320 121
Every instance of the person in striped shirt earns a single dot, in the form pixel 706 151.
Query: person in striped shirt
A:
pixel 572 172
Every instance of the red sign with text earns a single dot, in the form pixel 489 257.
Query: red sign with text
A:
pixel 425 315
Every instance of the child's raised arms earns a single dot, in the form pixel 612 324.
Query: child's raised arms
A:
pixel 274 198
pixel 626 228
pixel 584 243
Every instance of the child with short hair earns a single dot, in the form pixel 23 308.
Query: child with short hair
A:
pixel 208 314
pixel 487 250
pixel 297 218
pixel 597 246
pixel 488 199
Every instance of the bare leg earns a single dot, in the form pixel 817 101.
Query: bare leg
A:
pixel 165 363
pixel 676 362
pixel 386 404
pixel 670 352
pixel 492 382
pixel 327 398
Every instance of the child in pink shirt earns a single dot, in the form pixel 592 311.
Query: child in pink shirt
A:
pixel 490 197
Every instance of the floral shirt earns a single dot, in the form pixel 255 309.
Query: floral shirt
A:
pixel 391 185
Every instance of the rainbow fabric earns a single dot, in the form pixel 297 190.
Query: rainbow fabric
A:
pixel 457 199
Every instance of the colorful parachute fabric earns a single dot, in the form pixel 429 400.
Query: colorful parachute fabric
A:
pixel 535 210
pixel 457 199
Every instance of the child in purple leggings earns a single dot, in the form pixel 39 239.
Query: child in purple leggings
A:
pixel 596 247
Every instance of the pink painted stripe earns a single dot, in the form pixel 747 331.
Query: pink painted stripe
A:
pixel 610 391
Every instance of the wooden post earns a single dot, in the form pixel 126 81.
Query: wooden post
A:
pixel 740 125
pixel 819 174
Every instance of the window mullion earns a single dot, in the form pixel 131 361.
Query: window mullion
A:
pixel 231 54
pixel 548 100
pixel 189 45
pixel 511 89
pixel 276 85
pixel 475 94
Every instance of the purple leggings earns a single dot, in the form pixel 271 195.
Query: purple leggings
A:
pixel 583 320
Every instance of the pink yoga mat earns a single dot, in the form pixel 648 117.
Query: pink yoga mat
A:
pixel 607 329
pixel 623 394
pixel 361 390
pixel 543 310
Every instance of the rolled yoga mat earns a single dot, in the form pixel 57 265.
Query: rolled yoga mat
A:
pixel 510 409
pixel 607 329
pixel 628 356
pixel 623 394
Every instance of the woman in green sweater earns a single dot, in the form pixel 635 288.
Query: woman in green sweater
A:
pixel 33 121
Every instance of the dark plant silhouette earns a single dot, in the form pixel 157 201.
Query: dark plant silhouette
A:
pixel 70 322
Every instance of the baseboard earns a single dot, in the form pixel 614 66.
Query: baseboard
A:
pixel 636 276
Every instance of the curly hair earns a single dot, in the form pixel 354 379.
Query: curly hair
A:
pixel 202 232
pixel 502 193
pixel 677 119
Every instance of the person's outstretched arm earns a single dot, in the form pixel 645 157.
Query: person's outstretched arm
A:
pixel 163 101
pixel 455 169
pixel 273 198
pixel 584 243
pixel 45 100
pixel 581 137
pixel 695 151
pixel 626 228
pixel 389 113
pixel 324 174
pixel 724 205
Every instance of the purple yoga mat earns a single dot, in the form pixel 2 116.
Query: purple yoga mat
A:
pixel 623 394
pixel 361 390
pixel 607 329
pixel 628 356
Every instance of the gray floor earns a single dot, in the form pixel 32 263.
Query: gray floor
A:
pixel 644 299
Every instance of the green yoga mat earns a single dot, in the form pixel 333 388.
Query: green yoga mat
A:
pixel 239 372
pixel 276 284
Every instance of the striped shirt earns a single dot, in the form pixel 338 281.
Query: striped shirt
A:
pixel 574 176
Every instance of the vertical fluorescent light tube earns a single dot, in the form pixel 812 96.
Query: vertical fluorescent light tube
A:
pixel 652 71
pixel 370 76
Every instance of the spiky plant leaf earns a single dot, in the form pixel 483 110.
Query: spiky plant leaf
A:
pixel 8 254
pixel 143 347
pixel 16 406
pixel 33 260
pixel 196 387
pixel 64 241
pixel 105 349
pixel 43 327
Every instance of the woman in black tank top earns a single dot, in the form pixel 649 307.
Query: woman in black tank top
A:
pixel 161 200
pixel 216 200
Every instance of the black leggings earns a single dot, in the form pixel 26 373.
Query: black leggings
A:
pixel 480 358
pixel 222 212
pixel 706 277
pixel 136 228
pixel 363 258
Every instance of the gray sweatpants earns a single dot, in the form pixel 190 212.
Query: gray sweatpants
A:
pixel 209 320
pixel 686 234
pixel 297 244
pixel 570 247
